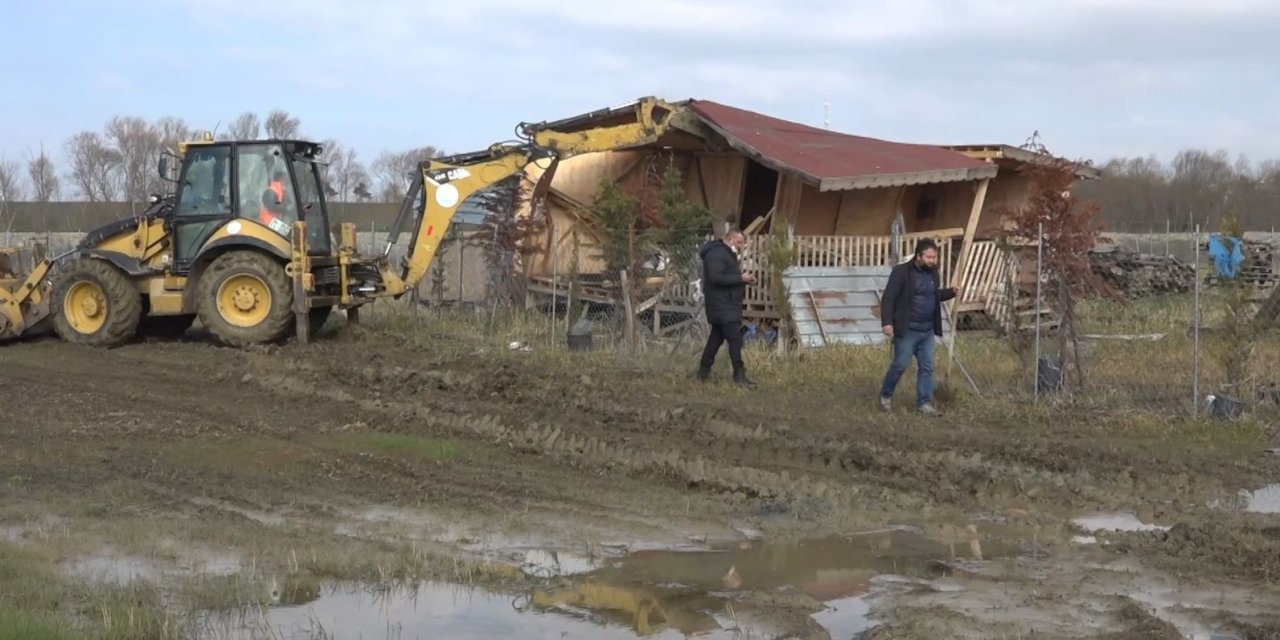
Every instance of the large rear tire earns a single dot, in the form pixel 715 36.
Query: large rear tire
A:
pixel 244 298
pixel 95 304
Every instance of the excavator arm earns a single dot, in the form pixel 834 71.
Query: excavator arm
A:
pixel 445 183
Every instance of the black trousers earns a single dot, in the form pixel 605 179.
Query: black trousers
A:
pixel 730 332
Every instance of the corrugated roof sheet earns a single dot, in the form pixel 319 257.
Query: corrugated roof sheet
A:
pixel 839 305
pixel 837 161
pixel 1002 151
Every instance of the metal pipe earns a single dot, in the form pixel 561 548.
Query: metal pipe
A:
pixel 1039 277
pixel 1195 389
pixel 555 291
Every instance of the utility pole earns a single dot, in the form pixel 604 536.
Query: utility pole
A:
pixel 826 115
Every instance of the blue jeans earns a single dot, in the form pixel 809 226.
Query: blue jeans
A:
pixel 913 343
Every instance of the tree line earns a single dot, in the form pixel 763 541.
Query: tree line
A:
pixel 118 163
pixel 1197 187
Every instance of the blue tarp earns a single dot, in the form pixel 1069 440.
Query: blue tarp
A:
pixel 1226 261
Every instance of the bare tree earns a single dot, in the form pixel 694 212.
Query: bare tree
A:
pixel 394 170
pixel 44 178
pixel 1197 187
pixel 10 191
pixel 281 126
pixel 344 172
pixel 361 191
pixel 138 144
pixel 94 166
pixel 244 127
pixel 170 131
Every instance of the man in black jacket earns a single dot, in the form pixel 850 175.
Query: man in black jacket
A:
pixel 723 286
pixel 911 315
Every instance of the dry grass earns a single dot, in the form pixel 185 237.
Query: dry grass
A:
pixel 1140 387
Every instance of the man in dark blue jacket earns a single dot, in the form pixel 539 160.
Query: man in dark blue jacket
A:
pixel 723 286
pixel 911 315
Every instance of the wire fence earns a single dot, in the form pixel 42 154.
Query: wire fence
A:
pixel 1190 339
pixel 1178 347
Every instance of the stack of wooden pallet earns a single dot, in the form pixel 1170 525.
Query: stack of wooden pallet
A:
pixel 1258 270
pixel 1142 274
pixel 1012 311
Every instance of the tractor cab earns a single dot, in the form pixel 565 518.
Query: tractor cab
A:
pixel 272 183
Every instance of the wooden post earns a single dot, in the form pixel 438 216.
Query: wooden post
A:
pixel 626 304
pixel 970 230
pixel 962 264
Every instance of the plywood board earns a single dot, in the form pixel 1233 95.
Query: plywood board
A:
pixel 720 177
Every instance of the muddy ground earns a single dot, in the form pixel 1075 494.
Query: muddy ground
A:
pixel 365 457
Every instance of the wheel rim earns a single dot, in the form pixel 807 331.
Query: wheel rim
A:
pixel 244 300
pixel 85 307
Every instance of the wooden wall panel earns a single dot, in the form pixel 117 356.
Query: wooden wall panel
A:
pixel 722 175
pixel 786 202
pixel 868 212
pixel 819 211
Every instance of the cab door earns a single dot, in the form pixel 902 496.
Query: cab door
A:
pixel 206 201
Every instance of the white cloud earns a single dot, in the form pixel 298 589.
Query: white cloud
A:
pixel 1097 73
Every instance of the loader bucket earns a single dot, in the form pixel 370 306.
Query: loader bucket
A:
pixel 24 293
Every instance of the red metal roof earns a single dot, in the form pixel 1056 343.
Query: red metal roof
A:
pixel 836 161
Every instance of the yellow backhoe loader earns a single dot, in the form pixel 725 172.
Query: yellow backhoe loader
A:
pixel 244 241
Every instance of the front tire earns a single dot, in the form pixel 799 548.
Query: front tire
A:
pixel 96 304
pixel 244 298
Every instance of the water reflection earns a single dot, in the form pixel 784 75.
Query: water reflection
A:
pixel 769 589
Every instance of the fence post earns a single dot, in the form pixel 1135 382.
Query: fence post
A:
pixel 1168 227
pixel 555 291
pixel 1039 277
pixel 1195 385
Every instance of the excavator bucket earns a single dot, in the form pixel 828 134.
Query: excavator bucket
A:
pixel 24 293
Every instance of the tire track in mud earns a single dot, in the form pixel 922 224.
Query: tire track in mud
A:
pixel 815 473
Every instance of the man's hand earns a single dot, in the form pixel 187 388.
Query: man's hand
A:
pixel 959 291
pixel 888 330
pixel 749 278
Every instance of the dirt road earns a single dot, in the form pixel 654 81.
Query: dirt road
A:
pixel 357 450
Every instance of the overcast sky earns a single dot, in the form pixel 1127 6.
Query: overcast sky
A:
pixel 1097 78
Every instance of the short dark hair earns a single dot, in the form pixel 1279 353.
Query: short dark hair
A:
pixel 924 244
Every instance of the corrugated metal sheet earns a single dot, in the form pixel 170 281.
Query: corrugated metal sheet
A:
pixel 845 299
pixel 837 161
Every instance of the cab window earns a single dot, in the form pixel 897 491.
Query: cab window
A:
pixel 266 192
pixel 312 207
pixel 206 185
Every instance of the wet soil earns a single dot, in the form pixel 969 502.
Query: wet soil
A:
pixel 479 452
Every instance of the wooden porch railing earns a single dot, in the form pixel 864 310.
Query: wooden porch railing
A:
pixel 840 251
pixel 984 272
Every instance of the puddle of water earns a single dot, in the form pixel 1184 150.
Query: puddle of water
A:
pixel 1122 522
pixel 1264 500
pixel 746 588
pixel 547 563
pixel 845 617
pixel 122 569
pixel 112 568
pixel 430 610
pixel 45 527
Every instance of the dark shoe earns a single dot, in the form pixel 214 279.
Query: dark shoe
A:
pixel 742 379
pixel 704 374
